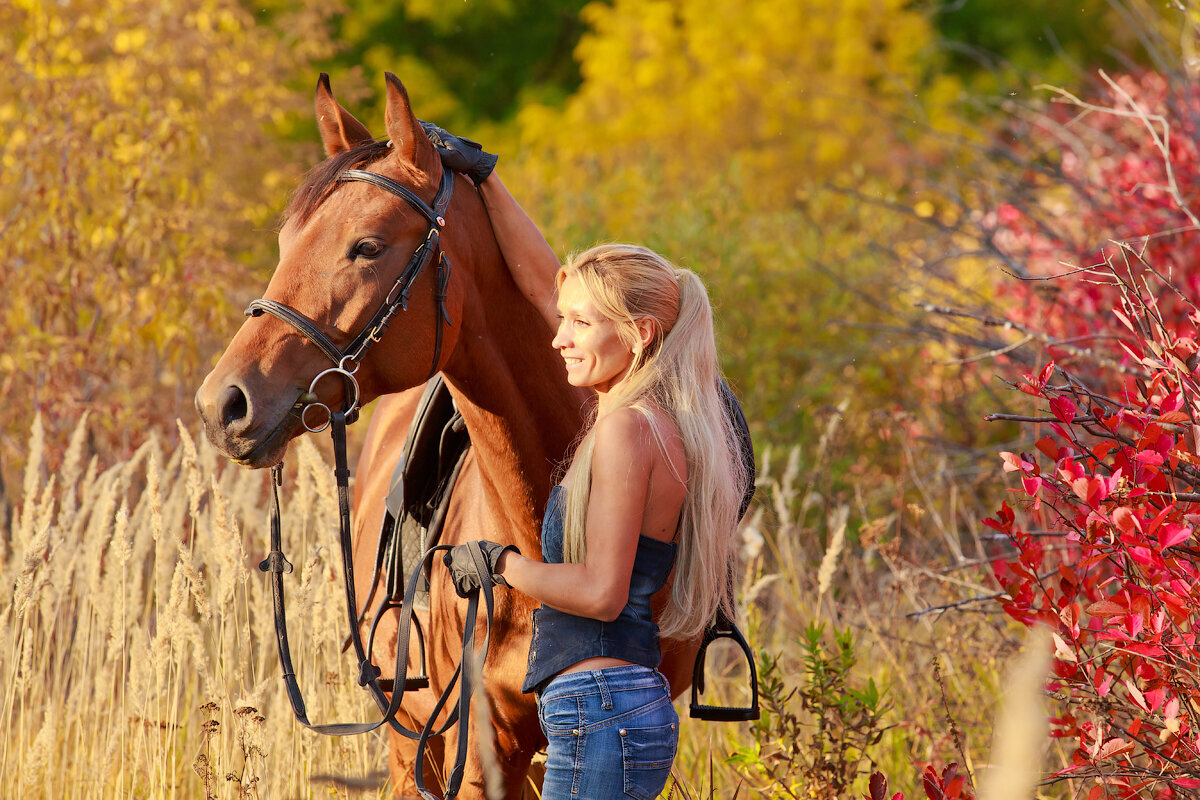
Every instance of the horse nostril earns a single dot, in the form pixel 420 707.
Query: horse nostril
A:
pixel 233 405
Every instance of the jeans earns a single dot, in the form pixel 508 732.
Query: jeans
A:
pixel 612 732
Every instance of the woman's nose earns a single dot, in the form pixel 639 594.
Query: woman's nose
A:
pixel 560 338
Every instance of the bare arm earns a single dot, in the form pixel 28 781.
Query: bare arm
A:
pixel 530 258
pixel 599 587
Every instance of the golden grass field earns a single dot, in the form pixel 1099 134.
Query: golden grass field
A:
pixel 138 660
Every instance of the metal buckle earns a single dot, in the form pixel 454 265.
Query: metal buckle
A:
pixel 351 404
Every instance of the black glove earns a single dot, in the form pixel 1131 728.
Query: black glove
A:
pixel 461 155
pixel 462 565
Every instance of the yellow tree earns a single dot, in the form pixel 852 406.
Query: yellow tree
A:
pixel 137 160
pixel 679 90
pixel 709 131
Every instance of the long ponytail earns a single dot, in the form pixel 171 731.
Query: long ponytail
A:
pixel 679 374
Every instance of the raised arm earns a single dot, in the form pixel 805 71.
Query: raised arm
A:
pixel 529 257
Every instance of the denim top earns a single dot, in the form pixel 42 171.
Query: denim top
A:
pixel 561 639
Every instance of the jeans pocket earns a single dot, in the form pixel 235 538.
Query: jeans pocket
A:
pixel 646 758
pixel 560 716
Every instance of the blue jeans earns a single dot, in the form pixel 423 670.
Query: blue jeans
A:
pixel 612 732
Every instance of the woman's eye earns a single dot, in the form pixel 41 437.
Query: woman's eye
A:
pixel 368 248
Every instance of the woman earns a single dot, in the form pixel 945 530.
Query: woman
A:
pixel 655 483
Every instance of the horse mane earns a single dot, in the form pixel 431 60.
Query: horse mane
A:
pixel 321 179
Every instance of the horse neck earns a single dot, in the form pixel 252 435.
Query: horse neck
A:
pixel 511 389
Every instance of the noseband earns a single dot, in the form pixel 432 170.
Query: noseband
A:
pixel 346 360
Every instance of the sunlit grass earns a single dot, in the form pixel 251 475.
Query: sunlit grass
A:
pixel 137 651
pixel 137 654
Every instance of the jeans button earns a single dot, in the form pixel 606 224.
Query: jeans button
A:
pixel 622 731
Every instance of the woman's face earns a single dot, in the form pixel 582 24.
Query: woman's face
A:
pixel 594 353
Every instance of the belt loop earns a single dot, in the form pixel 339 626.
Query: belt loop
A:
pixel 605 697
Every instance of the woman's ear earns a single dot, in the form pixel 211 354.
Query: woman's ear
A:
pixel 645 327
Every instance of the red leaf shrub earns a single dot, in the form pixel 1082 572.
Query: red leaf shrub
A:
pixel 1106 549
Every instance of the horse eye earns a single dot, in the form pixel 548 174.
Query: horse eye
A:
pixel 368 248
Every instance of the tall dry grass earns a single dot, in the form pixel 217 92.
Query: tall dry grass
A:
pixel 137 648
pixel 137 653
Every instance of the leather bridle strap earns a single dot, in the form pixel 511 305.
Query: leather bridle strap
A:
pixel 277 564
pixel 397 297
pixel 345 362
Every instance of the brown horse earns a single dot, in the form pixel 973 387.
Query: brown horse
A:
pixel 496 358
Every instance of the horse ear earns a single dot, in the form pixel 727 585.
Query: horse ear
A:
pixel 340 131
pixel 407 135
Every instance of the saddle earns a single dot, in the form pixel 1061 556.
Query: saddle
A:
pixel 415 514
pixel 415 507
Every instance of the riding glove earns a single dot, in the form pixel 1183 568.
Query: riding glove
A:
pixel 461 155
pixel 462 566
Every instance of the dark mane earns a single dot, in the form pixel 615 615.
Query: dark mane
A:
pixel 322 178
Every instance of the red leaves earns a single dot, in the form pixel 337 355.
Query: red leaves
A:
pixel 946 785
pixel 878 787
pixel 1064 408
pixel 1111 486
pixel 1014 463
pixel 1037 386
pixel 1114 747
pixel 949 785
pixel 1106 608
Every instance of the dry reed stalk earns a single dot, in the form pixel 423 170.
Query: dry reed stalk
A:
pixel 485 735
pixel 837 540
pixel 70 469
pixel 1022 728
pixel 104 566
pixel 195 492
pixel 33 472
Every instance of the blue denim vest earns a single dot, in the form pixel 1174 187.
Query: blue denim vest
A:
pixel 561 639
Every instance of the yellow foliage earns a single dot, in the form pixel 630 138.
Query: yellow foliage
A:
pixel 139 154
pixel 675 91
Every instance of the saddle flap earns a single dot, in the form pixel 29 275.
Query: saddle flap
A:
pixel 422 469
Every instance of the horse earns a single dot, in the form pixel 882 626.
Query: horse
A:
pixel 342 246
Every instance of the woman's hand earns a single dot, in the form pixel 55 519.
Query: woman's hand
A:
pixel 460 154
pixel 465 570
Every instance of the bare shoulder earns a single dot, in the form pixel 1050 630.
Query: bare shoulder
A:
pixel 642 440
pixel 623 428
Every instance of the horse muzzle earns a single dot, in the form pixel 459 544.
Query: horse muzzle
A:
pixel 252 433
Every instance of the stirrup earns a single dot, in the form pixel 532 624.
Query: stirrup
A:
pixel 723 713
pixel 413 682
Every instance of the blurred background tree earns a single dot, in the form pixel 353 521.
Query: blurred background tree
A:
pixel 141 173
pixel 148 146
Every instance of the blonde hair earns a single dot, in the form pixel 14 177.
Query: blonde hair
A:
pixel 678 373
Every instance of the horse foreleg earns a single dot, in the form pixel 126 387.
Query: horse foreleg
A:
pixel 402 758
pixel 498 756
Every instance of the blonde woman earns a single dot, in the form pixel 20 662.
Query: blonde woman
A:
pixel 654 485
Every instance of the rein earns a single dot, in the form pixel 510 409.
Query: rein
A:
pixel 346 363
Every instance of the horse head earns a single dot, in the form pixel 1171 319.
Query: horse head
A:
pixel 348 247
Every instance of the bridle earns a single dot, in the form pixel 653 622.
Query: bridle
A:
pixel 346 362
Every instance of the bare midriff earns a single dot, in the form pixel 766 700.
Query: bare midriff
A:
pixel 597 662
